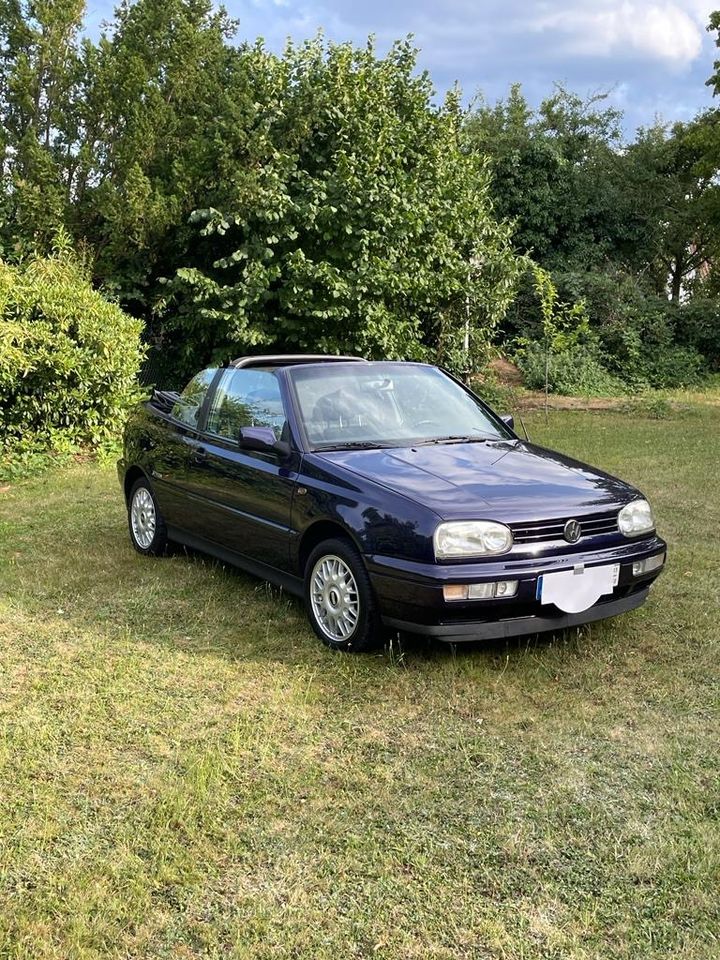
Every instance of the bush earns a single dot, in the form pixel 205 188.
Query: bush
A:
pixel 574 372
pixel 643 339
pixel 676 367
pixel 68 359
pixel 652 406
pixel 502 397
pixel 697 325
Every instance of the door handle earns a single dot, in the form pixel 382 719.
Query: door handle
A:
pixel 199 456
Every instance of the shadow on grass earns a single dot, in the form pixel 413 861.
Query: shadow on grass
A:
pixel 83 567
pixel 399 648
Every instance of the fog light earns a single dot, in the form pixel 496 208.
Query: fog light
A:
pixel 480 591
pixel 641 567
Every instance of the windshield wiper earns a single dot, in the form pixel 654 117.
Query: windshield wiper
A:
pixel 353 445
pixel 380 445
pixel 456 438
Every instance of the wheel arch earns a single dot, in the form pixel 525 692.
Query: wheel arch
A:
pixel 316 533
pixel 132 475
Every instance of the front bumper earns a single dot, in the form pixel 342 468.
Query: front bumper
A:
pixel 411 594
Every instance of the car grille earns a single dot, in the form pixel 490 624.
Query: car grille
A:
pixel 541 530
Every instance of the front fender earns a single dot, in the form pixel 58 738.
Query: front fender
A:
pixel 378 520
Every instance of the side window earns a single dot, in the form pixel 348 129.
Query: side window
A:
pixel 246 398
pixel 187 409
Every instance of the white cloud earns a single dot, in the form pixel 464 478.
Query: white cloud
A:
pixel 666 31
pixel 669 32
pixel 654 55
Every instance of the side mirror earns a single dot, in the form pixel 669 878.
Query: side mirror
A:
pixel 509 420
pixel 263 440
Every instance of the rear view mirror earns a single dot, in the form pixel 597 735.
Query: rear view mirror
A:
pixel 509 420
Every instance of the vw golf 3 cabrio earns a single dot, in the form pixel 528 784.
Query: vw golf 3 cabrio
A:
pixel 389 496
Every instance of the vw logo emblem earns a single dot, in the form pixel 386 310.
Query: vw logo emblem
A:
pixel 572 531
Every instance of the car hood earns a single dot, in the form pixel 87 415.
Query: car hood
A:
pixel 505 480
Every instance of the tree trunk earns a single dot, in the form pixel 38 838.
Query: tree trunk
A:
pixel 676 275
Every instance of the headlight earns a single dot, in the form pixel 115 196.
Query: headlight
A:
pixel 471 538
pixel 636 518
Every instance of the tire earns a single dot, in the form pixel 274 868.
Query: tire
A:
pixel 148 533
pixel 336 580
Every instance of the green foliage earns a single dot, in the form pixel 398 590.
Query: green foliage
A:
pixel 650 405
pixel 316 200
pixel 563 327
pixel 639 338
pixel 697 325
pixel 637 331
pixel 674 204
pixel 237 200
pixel 676 367
pixel 502 397
pixel 714 80
pixel 68 360
pixel 41 76
pixel 358 225
pixel 555 173
pixel 169 111
pixel 625 230
pixel 576 371
pixel 580 202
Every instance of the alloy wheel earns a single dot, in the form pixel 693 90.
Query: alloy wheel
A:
pixel 143 519
pixel 334 597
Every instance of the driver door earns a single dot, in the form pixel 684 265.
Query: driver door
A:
pixel 249 492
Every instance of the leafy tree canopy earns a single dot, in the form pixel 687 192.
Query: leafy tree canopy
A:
pixel 322 199
pixel 353 220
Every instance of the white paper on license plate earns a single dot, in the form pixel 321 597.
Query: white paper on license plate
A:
pixel 573 591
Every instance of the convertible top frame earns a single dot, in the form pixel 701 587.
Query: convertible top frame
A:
pixel 291 359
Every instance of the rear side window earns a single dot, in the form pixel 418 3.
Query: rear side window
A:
pixel 187 409
pixel 246 398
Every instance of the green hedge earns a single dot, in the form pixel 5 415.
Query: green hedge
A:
pixel 68 359
pixel 577 371
pixel 639 340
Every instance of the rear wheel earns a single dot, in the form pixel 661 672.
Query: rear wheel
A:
pixel 339 598
pixel 148 533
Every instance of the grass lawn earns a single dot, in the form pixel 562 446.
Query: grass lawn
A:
pixel 186 772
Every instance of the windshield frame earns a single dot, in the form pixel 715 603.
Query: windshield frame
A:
pixel 504 431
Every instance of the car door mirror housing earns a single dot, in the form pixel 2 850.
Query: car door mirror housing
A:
pixel 509 420
pixel 263 440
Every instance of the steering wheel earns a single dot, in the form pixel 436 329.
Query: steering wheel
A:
pixel 375 425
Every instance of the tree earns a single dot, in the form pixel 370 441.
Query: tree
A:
pixel 675 196
pixel 356 224
pixel 555 173
pixel 563 324
pixel 40 73
pixel 164 108
pixel 714 80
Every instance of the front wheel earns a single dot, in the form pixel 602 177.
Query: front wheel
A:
pixel 339 598
pixel 148 533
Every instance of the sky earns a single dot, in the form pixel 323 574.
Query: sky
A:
pixel 653 56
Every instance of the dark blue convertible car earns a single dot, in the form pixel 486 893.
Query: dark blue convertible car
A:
pixel 389 496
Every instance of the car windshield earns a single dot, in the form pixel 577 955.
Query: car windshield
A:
pixel 388 404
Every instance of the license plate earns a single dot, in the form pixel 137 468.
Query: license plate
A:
pixel 575 590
